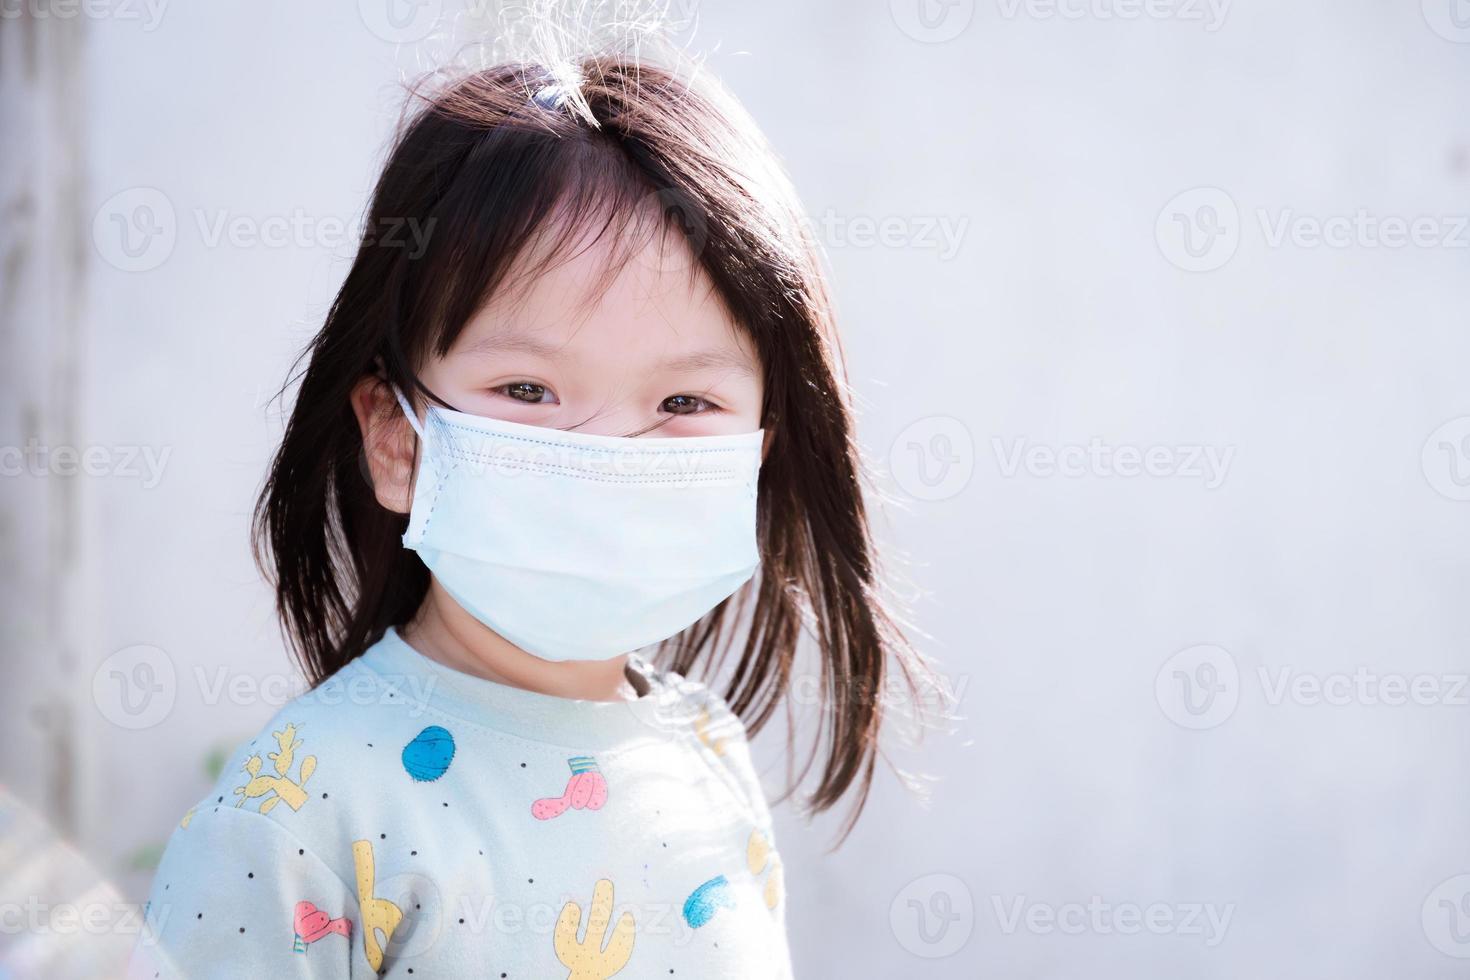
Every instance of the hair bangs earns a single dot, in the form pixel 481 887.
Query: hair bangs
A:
pixel 535 190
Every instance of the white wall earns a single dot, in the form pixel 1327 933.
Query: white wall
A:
pixel 1330 539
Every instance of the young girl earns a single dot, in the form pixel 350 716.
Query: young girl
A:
pixel 564 421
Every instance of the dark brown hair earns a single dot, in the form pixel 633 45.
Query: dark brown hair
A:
pixel 482 165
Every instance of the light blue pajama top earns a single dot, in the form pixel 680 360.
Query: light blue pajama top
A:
pixel 405 819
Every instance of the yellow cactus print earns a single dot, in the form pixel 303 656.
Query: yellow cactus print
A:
pixel 280 786
pixel 587 959
pixel 184 823
pixel 773 888
pixel 378 914
pixel 757 852
pixel 701 731
pixel 758 855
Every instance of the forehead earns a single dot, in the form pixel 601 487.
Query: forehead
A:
pixel 628 293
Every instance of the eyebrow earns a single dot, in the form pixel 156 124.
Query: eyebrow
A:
pixel 511 342
pixel 715 357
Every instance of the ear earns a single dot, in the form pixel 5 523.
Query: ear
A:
pixel 389 445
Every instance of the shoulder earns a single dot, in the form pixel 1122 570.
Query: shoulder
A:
pixel 718 732
pixel 691 705
pixel 302 768
pixel 247 862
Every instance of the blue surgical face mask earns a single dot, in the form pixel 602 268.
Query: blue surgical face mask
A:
pixel 576 546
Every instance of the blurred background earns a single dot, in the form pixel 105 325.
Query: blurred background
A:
pixel 1156 315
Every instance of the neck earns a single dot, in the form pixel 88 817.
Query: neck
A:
pixel 442 631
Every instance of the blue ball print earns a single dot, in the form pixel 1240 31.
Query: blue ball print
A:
pixel 707 899
pixel 428 756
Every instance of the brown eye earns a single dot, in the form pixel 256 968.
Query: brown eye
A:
pixel 526 391
pixel 684 405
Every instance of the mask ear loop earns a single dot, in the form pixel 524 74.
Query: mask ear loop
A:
pixel 409 414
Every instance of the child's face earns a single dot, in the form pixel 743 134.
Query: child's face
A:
pixel 567 349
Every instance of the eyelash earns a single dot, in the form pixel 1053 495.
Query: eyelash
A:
pixel 704 404
pixel 506 390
